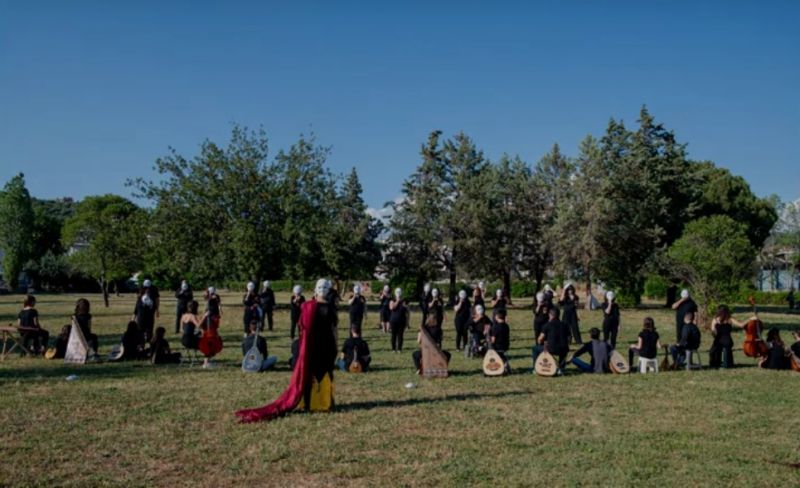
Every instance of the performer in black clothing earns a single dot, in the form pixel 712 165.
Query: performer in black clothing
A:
pixel 689 340
pixel 721 351
pixel 599 351
pixel 436 307
pixel 610 319
pixel 385 298
pixel 355 347
pixel 358 308
pixel 501 338
pixel 294 307
pixel 540 314
pixel 267 299
pixel 250 301
pixel 146 310
pixel 480 328
pixel 84 320
pixel 569 306
pixel 184 297
pixel 776 357
pixel 424 301
pixel 28 318
pixel 682 307
pixel 478 295
pixel 795 347
pixel 499 302
pixel 462 309
pixel 553 339
pixel 398 320
pixel 647 346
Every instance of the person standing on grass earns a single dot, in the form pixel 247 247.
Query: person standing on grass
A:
pixel 790 298
pixel 295 303
pixel 311 386
pixel 398 320
pixel 462 310
pixel 385 298
pixel 721 351
pixel 569 307
pixel 183 296
pixel 436 307
pixel 478 295
pixel 610 319
pixel 541 314
pixel 647 346
pixel 424 301
pixel 358 308
pixel 28 318
pixel 250 301
pixel 499 302
pixel 146 310
pixel 211 343
pixel 267 298
pixel 682 307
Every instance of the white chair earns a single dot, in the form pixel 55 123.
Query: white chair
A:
pixel 691 355
pixel 648 364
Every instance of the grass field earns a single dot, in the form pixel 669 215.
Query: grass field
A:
pixel 134 424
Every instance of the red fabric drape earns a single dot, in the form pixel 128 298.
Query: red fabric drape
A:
pixel 301 376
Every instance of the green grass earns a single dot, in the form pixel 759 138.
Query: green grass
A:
pixel 134 424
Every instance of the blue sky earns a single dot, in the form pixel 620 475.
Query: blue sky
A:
pixel 92 92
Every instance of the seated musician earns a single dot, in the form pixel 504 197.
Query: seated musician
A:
pixel 795 348
pixel 689 340
pixel 431 325
pixel 260 343
pixel 553 339
pixel 132 342
pixel 776 352
pixel 355 347
pixel 28 318
pixel 599 352
pixel 501 337
pixel 160 352
pixel 479 327
pixel 61 342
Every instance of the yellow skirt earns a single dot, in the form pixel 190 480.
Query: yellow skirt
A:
pixel 321 398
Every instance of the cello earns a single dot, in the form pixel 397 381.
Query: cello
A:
pixel 754 346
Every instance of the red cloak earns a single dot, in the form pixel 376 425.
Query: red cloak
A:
pixel 301 377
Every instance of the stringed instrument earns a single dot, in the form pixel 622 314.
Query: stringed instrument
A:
pixel 492 363
pixel 618 364
pixel 355 365
pixel 794 362
pixel 434 362
pixel 545 365
pixel 754 346
pixel 665 366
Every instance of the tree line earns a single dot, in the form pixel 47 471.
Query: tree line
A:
pixel 630 203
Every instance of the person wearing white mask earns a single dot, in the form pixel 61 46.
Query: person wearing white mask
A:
pixel 267 298
pixel 295 303
pixel 184 297
pixel 398 320
pixel 610 319
pixel 541 313
pixel 462 309
pixel 480 327
pixel 311 387
pixel 436 307
pixel 385 298
pixel 499 302
pixel 682 307
pixel 146 310
pixel 424 302
pixel 358 308
pixel 250 301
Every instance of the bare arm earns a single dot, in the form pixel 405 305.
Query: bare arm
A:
pixel 678 304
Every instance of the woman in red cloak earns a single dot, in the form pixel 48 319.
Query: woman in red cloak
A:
pixel 311 385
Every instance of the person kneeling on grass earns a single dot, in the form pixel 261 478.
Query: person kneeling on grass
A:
pixel 436 334
pixel 354 348
pixel 599 352
pixel 160 352
pixel 776 357
pixel 554 339
pixel 689 339
pixel 647 347
pixel 260 343
pixel 501 337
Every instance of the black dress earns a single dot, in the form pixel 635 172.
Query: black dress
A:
pixel 461 321
pixel 569 308
pixel 183 297
pixel 397 322
pixel 721 352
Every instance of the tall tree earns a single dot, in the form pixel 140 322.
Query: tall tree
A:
pixel 16 228
pixel 108 236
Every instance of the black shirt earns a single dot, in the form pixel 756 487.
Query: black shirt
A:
pixel 295 307
pixel 556 335
pixel 27 317
pixel 350 346
pixel 649 344
pixel 680 312
pixel 212 306
pixel 776 356
pixel 357 309
pixel 610 320
pixel 436 334
pixel 247 344
pixel 723 335
pixel 796 348
pixel 436 309
pixel 690 336
pixel 267 298
pixel 501 334
pixel 84 321
pixel 184 297
pixel 478 326
pixel 398 317
pixel 463 313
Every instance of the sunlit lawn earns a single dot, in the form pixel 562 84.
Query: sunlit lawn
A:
pixel 134 424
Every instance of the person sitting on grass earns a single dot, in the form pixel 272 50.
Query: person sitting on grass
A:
pixel 647 347
pixel 776 352
pixel 132 342
pixel 599 352
pixel 554 339
pixel 159 351
pixel 354 347
pixel 689 340
pixel 84 320
pixel 28 318
pixel 62 340
pixel 260 342
pixel 500 337
pixel 431 325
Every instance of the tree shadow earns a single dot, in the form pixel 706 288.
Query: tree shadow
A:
pixel 371 405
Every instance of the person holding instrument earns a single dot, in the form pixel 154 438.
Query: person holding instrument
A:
pixel 721 352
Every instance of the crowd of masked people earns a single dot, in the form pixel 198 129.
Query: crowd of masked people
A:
pixel 556 327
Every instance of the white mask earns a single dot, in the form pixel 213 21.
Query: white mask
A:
pixel 322 288
pixel 266 284
pixel 434 293
pixel 251 286
pixel 479 310
pixel 499 293
pixel 386 289
pixel 297 289
pixel 426 288
pixel 540 297
pixel 184 286
pixel 357 290
pixel 398 293
pixel 685 294
pixel 212 290
pixel 610 295
pixel 462 294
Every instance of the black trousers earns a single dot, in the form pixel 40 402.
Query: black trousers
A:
pixel 575 332
pixel 720 355
pixel 268 314
pixel 293 320
pixel 397 336
pixel 40 339
pixel 462 339
pixel 610 334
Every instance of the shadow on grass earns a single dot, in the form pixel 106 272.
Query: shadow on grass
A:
pixel 357 406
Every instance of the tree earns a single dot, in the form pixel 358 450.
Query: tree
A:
pixel 351 249
pixel 713 256
pixel 108 236
pixel 16 228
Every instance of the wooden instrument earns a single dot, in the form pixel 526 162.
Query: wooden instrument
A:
pixel 618 364
pixel 117 353
pixel 434 362
pixel 355 365
pixel 493 364
pixel 546 365
pixel 77 348
pixel 754 346
pixel 665 366
pixel 794 361
pixel 50 353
